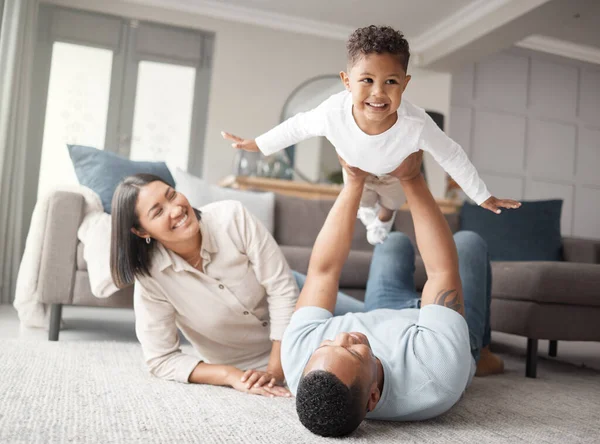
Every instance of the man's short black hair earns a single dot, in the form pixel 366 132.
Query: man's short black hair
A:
pixel 380 40
pixel 328 407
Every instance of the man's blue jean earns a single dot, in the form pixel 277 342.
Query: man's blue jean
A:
pixel 391 283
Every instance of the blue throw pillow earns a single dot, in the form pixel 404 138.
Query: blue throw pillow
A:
pixel 102 171
pixel 530 233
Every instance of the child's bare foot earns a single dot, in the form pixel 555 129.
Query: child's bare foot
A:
pixel 489 363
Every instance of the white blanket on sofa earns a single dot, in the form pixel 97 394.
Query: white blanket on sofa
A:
pixel 33 313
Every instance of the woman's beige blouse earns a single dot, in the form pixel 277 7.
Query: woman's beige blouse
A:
pixel 231 312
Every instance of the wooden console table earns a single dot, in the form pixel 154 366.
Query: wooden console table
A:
pixel 287 187
pixel 309 190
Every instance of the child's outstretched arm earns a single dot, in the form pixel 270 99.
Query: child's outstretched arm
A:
pixel 300 127
pixel 239 143
pixel 454 160
pixel 494 204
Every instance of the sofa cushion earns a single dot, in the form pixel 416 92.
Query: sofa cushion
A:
pixel 581 250
pixel 356 270
pixel 354 274
pixel 102 171
pixel 420 274
pixel 531 233
pixel 545 321
pixel 547 282
pixel 356 293
pixel 82 294
pixel 404 223
pixel 298 222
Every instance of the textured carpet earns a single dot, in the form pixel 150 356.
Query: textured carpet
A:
pixel 100 392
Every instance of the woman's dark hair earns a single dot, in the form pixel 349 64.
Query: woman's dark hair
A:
pixel 130 255
pixel 380 40
pixel 328 407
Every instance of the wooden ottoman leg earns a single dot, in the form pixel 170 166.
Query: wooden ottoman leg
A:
pixel 531 365
pixel 552 348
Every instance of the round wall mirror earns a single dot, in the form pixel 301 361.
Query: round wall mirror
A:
pixel 315 159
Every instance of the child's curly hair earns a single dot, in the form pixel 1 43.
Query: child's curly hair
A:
pixel 378 39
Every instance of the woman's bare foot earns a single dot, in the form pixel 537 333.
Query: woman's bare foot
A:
pixel 489 363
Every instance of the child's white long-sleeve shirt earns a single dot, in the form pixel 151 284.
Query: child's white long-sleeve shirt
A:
pixel 382 153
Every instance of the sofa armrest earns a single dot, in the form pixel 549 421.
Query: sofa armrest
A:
pixel 585 251
pixel 59 250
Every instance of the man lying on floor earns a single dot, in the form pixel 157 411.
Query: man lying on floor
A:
pixel 396 361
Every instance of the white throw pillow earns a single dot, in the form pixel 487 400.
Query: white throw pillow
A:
pixel 94 233
pixel 200 193
pixel 196 190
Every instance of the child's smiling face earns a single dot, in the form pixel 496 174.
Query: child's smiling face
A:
pixel 376 82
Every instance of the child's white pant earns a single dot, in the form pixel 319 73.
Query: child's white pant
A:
pixel 386 190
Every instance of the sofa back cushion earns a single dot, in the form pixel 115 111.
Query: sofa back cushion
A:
pixel 298 222
pixel 404 223
pixel 530 233
pixel 102 171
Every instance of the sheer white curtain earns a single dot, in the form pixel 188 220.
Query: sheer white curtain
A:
pixel 16 48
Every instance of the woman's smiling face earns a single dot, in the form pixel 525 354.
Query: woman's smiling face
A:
pixel 165 214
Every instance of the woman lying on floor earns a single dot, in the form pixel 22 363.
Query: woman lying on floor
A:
pixel 217 275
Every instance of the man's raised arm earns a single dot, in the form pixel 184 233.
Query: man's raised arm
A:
pixel 332 246
pixel 434 239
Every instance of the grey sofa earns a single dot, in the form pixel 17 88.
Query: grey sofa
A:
pixel 537 300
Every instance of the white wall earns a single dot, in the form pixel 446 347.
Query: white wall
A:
pixel 531 124
pixel 431 90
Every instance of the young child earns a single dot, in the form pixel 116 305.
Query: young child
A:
pixel 372 128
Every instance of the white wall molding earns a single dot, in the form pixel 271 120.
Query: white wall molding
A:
pixel 467 25
pixel 562 48
pixel 456 22
pixel 252 16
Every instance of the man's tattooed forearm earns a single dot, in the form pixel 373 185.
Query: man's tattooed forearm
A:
pixel 450 299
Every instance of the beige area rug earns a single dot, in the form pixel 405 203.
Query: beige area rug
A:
pixel 100 392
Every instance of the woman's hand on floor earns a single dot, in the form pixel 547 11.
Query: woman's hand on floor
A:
pixel 257 383
pixel 256 378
